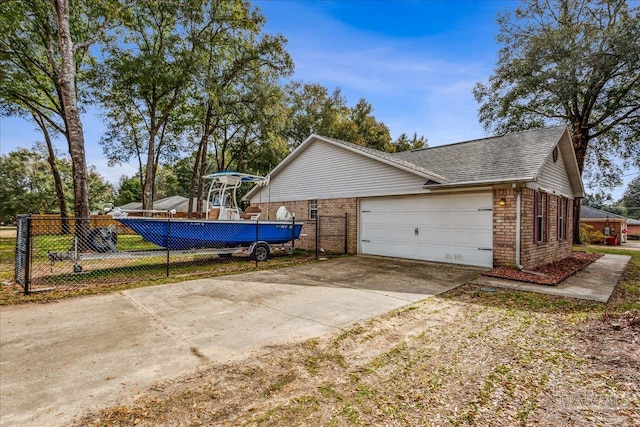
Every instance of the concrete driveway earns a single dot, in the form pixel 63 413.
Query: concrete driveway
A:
pixel 61 359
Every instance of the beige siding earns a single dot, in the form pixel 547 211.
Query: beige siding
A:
pixel 324 171
pixel 553 177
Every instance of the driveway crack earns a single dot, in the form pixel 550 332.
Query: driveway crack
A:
pixel 192 349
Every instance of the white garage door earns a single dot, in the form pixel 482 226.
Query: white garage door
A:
pixel 443 228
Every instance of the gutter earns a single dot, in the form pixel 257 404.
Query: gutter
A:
pixel 477 183
pixel 518 225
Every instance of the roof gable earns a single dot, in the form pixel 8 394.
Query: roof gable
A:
pixel 512 157
pixel 326 170
pixel 376 156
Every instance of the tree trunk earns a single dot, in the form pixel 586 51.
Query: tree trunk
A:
pixel 201 173
pixel 149 174
pixel 580 144
pixel 51 159
pixel 194 179
pixel 75 136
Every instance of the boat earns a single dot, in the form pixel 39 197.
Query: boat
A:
pixel 224 226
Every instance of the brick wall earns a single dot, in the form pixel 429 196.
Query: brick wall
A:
pixel 534 253
pixel 504 227
pixel 331 229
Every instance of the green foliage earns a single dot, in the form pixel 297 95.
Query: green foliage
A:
pixel 129 190
pixel 589 235
pixel 404 143
pixel 631 198
pixel 28 185
pixel 573 62
pixel 198 76
pixel 313 110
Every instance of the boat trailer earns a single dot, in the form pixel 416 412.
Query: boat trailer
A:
pixel 258 251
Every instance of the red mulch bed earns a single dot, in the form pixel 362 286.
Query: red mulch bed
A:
pixel 548 274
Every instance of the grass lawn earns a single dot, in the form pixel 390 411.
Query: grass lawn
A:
pixel 467 357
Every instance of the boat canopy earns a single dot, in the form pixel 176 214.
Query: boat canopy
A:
pixel 237 178
pixel 222 194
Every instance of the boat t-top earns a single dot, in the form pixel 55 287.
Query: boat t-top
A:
pixel 224 225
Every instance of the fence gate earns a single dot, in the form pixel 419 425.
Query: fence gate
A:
pixel 331 234
pixel 23 251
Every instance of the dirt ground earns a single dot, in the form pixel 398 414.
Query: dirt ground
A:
pixel 468 357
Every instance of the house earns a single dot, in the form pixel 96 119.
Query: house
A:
pixel 612 226
pixel 178 203
pixel 633 229
pixel 503 200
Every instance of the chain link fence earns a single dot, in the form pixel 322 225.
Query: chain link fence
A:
pixel 51 251
pixel 331 235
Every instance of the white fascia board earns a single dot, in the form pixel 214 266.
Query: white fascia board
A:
pixel 472 184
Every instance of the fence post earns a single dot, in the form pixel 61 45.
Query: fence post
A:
pixel 27 264
pixel 293 232
pixel 256 242
pixel 317 234
pixel 168 243
pixel 346 223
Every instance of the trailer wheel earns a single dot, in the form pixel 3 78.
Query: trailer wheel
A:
pixel 102 240
pixel 260 252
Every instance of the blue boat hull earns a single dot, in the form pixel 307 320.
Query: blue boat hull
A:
pixel 179 234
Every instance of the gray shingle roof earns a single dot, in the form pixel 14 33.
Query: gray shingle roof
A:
pixel 587 212
pixel 506 157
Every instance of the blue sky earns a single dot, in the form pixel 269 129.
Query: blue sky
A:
pixel 416 62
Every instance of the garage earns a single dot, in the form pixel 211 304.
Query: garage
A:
pixel 474 202
pixel 454 228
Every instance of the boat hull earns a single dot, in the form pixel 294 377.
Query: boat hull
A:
pixel 179 234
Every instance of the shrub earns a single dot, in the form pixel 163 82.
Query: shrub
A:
pixel 588 234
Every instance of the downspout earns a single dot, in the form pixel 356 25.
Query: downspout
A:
pixel 518 204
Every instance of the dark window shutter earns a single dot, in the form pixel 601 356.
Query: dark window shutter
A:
pixel 536 195
pixel 559 213
pixel 546 218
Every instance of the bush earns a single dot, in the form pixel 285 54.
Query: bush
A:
pixel 588 234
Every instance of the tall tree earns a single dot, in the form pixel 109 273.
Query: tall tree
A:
pixel 44 46
pixel 141 84
pixel 574 62
pixel 361 127
pixel 631 198
pixel 313 109
pixel 71 111
pixel 235 89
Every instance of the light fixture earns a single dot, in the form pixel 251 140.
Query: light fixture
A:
pixel 502 202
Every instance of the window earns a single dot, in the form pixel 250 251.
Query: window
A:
pixel 563 216
pixel 313 209
pixel 541 217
